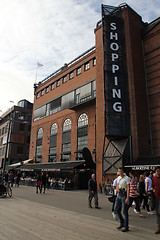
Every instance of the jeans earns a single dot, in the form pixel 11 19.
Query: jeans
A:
pixel 91 196
pixel 158 211
pixel 121 205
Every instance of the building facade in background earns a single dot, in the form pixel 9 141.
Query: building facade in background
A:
pixel 106 100
pixel 15 129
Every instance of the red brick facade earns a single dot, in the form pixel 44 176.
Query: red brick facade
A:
pixel 143 68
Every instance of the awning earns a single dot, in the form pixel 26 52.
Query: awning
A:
pixel 54 166
pixel 18 164
pixel 145 163
pixel 27 161
pixel 13 166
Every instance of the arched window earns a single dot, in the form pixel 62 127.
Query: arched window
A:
pixel 67 125
pixel 82 134
pixel 83 120
pixel 40 133
pixel 39 145
pixel 53 143
pixel 66 140
pixel 54 128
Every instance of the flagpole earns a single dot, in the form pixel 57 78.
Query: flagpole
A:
pixel 36 74
pixel 38 65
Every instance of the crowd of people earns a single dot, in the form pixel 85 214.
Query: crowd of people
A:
pixel 44 181
pixel 143 193
pixel 11 178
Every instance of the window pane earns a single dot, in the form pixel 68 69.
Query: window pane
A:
pixel 53 141
pixel 40 133
pixel 52 86
pixel 86 66
pixel 39 112
pixel 68 100
pixel 71 75
pixel 84 91
pixel 67 125
pixel 54 129
pixel 83 120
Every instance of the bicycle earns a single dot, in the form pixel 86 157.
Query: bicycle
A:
pixel 5 190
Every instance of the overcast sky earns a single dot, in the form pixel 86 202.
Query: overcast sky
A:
pixel 51 32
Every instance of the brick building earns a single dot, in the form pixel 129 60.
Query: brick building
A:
pixel 15 129
pixel 72 106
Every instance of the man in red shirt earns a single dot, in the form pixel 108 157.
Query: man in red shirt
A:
pixel 156 187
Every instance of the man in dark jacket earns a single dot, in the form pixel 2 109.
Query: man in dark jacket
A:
pixel 92 186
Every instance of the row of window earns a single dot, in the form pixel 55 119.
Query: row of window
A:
pixel 4 130
pixel 57 83
pixel 82 139
pixel 20 151
pixel 80 95
pixel 2 151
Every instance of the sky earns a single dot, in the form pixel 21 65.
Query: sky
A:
pixel 51 32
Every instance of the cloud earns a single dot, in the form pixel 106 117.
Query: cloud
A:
pixel 51 32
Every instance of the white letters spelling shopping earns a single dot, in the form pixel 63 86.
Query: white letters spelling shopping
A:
pixel 114 46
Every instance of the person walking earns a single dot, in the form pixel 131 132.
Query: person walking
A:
pixel 142 193
pixel 114 198
pixel 38 183
pixel 148 186
pixel 156 187
pixel 92 186
pixel 122 200
pixel 44 181
pixel 134 195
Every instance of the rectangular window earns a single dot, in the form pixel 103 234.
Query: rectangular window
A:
pixel 68 100
pixel 52 86
pixel 94 61
pixel 78 98
pixel 42 92
pixel 4 139
pixel 47 89
pixel 58 83
pixel 64 79
pixel 37 95
pixel 39 113
pixel 54 106
pixel 66 152
pixel 3 151
pixel 6 129
pixel 39 150
pixel 78 71
pixel 86 66
pixel 84 93
pixel 71 75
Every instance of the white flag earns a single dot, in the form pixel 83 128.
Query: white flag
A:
pixel 39 64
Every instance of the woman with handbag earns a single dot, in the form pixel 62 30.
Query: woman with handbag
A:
pixel 38 183
pixel 134 195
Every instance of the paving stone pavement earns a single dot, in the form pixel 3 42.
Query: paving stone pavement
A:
pixel 22 219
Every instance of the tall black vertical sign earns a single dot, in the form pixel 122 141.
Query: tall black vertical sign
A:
pixel 115 76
